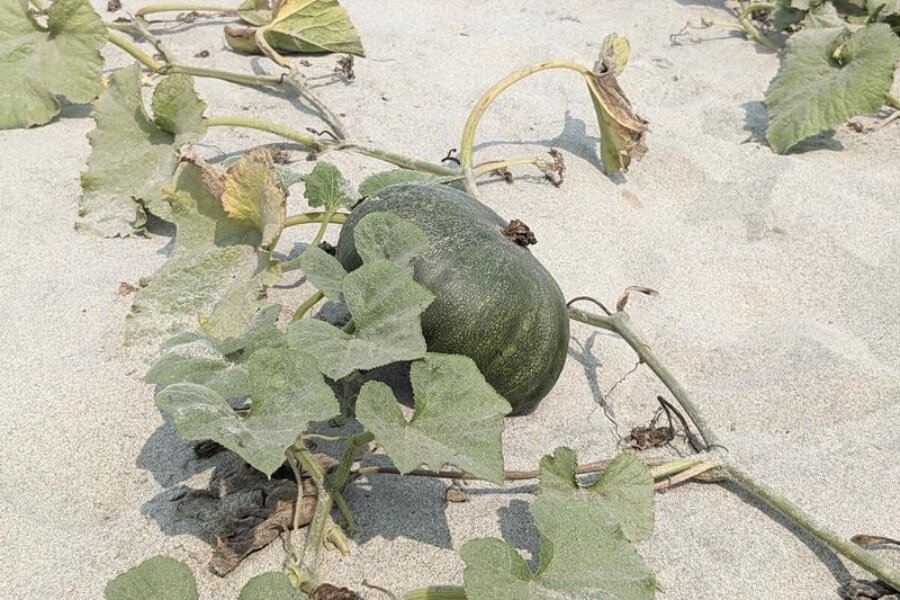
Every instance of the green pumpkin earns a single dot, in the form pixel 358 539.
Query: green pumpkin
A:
pixel 495 303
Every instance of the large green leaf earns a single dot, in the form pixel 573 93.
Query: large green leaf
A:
pixel 198 358
pixel 826 77
pixel 580 557
pixel 287 392
pixel 458 418
pixel 133 155
pixel 157 578
pixel 325 272
pixel 623 492
pixel 270 586
pixel 383 236
pixel 38 64
pixel 216 271
pixel 327 188
pixel 386 305
pixel 312 26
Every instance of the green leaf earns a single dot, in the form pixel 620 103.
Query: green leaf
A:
pixel 134 156
pixel 270 586
pixel 826 77
pixel 253 195
pixel 215 272
pixel 377 182
pixel 157 578
pixel 38 64
pixel 384 236
pixel 313 26
pixel 255 12
pixel 580 557
pixel 325 272
pixel 786 14
pixel 287 393
pixel 198 358
pixel 624 491
pixel 458 418
pixel 327 188
pixel 822 17
pixel 386 305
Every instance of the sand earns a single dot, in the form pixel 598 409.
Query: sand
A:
pixel 778 281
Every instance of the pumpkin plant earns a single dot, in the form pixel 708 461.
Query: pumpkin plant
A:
pixel 425 279
pixel 838 61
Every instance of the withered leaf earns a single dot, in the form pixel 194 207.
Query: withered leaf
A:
pixel 633 289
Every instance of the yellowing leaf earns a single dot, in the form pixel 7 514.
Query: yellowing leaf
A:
pixel 253 196
pixel 312 26
pixel 39 63
pixel 215 270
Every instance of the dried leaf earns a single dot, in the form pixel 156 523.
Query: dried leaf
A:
pixel 254 197
pixel 873 540
pixel 614 54
pixel 326 591
pixel 519 233
pixel 633 289
pixel 242 39
pixel 258 526
pixel 621 130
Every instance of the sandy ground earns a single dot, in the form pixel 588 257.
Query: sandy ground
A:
pixel 778 280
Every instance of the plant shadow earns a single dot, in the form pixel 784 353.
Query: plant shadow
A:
pixel 583 354
pixel 825 555
pixel 518 530
pixel 574 139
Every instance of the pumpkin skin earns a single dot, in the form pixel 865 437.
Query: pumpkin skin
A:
pixel 494 302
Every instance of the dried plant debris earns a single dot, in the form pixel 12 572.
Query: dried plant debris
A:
pixel 874 540
pixel 519 233
pixel 326 591
pixel 621 130
pixel 633 289
pixel 456 493
pixel 857 589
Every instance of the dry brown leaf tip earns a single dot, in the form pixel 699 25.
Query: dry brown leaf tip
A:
pixel 326 591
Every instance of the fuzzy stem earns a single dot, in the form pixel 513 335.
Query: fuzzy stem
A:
pixel 468 137
pixel 300 137
pixel 866 560
pixel 493 165
pixel 316 535
pixel 396 159
pixel 892 101
pixel 671 468
pixel 619 323
pixel 183 7
pixel 315 217
pixel 142 28
pixel 307 305
pixel 443 592
pixel 239 78
pixel 138 54
pixel 329 116
pixel 685 475
pixel 751 30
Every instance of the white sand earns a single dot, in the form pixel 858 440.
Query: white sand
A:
pixel 778 279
